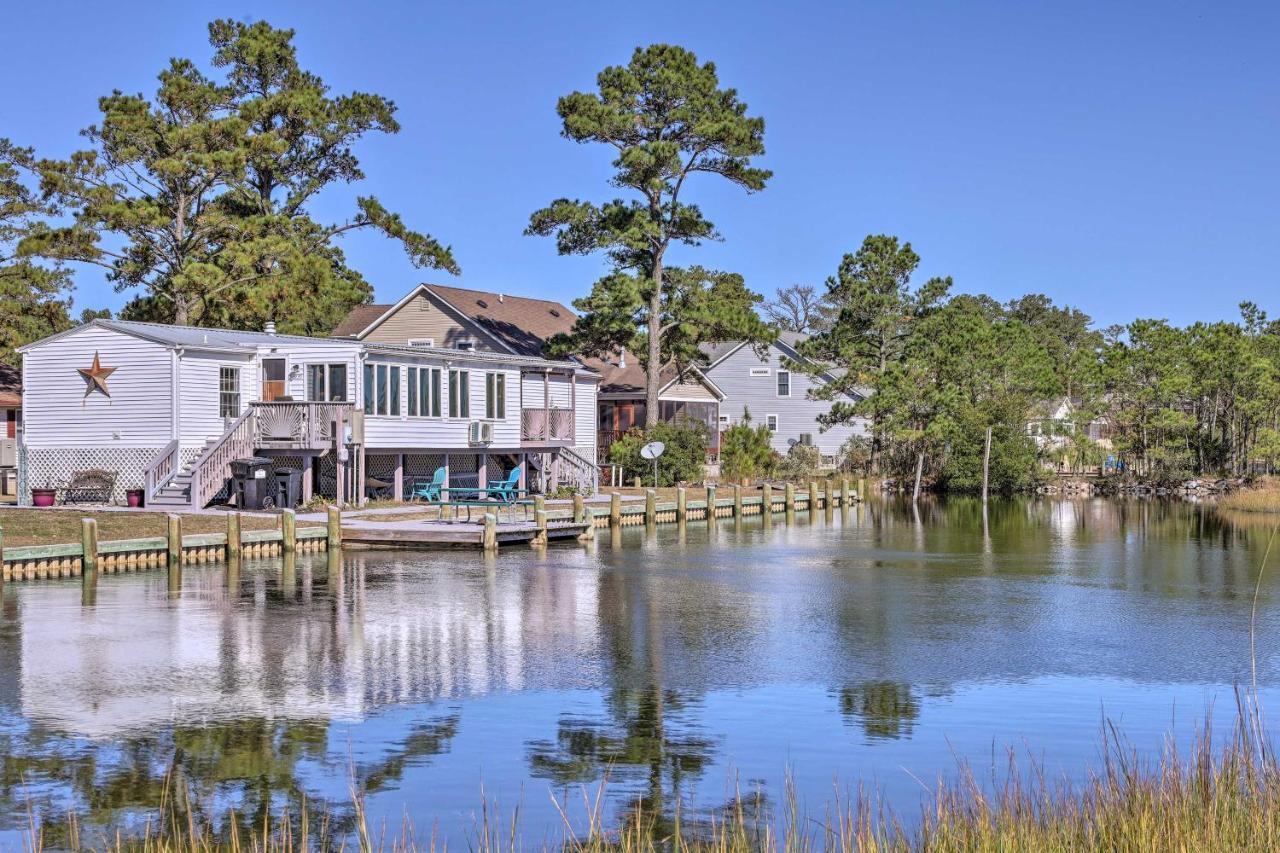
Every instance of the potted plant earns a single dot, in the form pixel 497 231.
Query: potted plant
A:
pixel 46 496
pixel 135 497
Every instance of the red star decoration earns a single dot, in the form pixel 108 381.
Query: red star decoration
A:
pixel 96 376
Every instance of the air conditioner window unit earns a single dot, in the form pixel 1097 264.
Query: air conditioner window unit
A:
pixel 480 432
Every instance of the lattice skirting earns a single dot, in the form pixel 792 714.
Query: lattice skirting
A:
pixel 54 466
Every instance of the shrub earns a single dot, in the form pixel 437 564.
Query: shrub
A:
pixel 746 451
pixel 802 462
pixel 683 459
pixel 855 454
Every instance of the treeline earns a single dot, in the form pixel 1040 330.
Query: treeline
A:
pixel 936 370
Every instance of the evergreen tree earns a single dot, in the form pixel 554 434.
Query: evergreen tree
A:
pixel 668 120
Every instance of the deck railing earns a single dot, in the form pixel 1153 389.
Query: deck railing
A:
pixel 160 469
pixel 306 425
pixel 546 425
pixel 211 471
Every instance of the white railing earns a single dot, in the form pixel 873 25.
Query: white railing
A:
pixel 211 471
pixel 546 425
pixel 298 424
pixel 160 469
pixel 579 471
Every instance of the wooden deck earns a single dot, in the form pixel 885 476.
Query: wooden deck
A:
pixel 438 534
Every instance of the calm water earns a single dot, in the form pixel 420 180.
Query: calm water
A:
pixel 677 663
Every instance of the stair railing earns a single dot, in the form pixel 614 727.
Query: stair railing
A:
pixel 210 472
pixel 579 471
pixel 160 469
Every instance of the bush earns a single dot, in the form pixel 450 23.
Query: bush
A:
pixel 855 454
pixel 802 462
pixel 746 452
pixel 682 461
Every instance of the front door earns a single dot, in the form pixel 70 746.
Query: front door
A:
pixel 273 382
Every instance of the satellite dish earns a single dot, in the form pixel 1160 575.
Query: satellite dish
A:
pixel 652 450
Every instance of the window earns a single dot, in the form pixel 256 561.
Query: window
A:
pixel 495 396
pixel 759 371
pixel 326 382
pixel 784 383
pixel 724 419
pixel 382 389
pixel 273 379
pixel 422 342
pixel 465 345
pixel 806 438
pixel 424 392
pixel 228 392
pixel 459 394
pixel 771 421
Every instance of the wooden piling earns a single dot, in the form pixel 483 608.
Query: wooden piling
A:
pixel 234 539
pixel 174 537
pixel 490 540
pixel 789 507
pixel 737 500
pixel 650 506
pixel 813 498
pixel 539 505
pixel 711 502
pixel 334 528
pixel 288 531
pixel 615 509
pixel 766 500
pixel 579 509
pixel 682 506
pixel 89 562
pixel 828 505
pixel 540 519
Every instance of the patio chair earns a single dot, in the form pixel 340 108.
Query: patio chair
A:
pixel 505 490
pixel 429 490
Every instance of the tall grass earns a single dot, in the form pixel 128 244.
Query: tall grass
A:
pixel 1264 497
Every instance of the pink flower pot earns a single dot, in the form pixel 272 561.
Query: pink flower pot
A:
pixel 43 497
pixel 133 497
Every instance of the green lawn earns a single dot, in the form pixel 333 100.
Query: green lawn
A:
pixel 57 526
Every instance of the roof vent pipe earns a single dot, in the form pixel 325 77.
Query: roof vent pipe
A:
pixel 622 357
pixel 270 327
pixel 501 298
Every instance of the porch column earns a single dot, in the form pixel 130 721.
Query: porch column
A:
pixel 482 471
pixel 360 476
pixel 398 488
pixel 308 478
pixel 444 493
pixel 546 404
pixel 555 471
pixel 340 467
pixel 524 472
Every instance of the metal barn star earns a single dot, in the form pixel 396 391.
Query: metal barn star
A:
pixel 96 377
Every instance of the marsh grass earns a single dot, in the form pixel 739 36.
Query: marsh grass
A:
pixel 1264 498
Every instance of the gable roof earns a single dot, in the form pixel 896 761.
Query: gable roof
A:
pixel 521 324
pixel 628 379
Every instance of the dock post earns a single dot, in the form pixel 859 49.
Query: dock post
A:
pixel 862 488
pixel 288 531
pixel 737 501
pixel 636 483
pixel 579 509
pixel 845 500
pixel 789 507
pixel 615 509
pixel 813 498
pixel 539 504
pixel 234 539
pixel 828 502
pixel 334 525
pixel 711 502
pixel 650 506
pixel 174 549
pixel 682 507
pixel 89 560
pixel 766 500
pixel 490 540
pixel 540 518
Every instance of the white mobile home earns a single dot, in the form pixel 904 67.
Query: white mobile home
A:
pixel 167 408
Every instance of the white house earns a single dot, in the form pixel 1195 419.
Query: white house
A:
pixel 167 408
pixel 777 394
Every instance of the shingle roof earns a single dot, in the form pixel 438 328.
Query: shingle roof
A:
pixel 522 323
pixel 196 336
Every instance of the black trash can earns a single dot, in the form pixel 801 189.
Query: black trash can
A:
pixel 250 487
pixel 288 487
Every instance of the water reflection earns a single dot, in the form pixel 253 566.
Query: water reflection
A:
pixel 668 660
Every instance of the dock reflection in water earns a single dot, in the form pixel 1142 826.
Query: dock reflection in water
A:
pixel 676 662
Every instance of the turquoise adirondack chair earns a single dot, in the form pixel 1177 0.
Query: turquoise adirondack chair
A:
pixel 506 490
pixel 431 491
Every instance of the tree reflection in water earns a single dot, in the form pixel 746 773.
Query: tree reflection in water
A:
pixel 886 710
pixel 224 776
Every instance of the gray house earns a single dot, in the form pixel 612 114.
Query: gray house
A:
pixel 776 394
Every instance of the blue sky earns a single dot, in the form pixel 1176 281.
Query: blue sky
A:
pixel 1124 158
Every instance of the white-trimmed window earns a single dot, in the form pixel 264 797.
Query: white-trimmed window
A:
pixel 326 382
pixel 229 392
pixel 759 371
pixel 725 420
pixel 784 383
pixel 424 392
pixel 466 345
pixel 771 421
pixel 495 396
pixel 459 393
pixel 382 389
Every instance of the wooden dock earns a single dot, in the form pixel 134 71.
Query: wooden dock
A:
pixel 438 534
